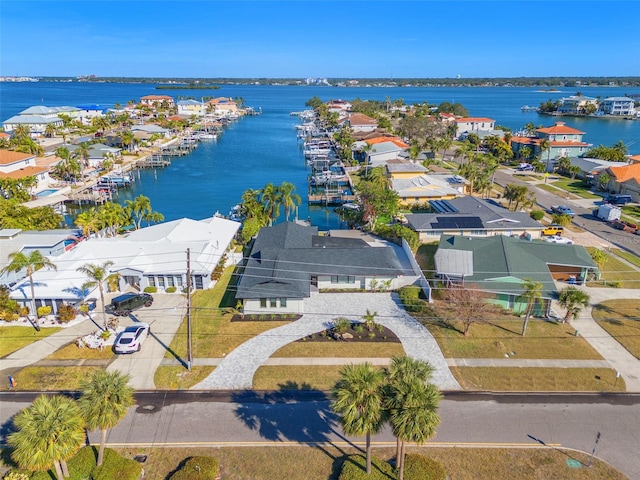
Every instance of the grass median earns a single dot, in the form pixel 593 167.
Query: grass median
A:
pixel 615 273
pixel 52 378
pixel 621 320
pixel 324 462
pixel 537 379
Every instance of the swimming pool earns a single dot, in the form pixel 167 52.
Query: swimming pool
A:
pixel 46 193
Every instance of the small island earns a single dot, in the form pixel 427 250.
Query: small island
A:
pixel 191 86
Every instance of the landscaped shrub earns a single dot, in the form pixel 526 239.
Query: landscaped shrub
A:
pixel 66 313
pixel 537 215
pixel 150 289
pixel 198 468
pixel 341 325
pixel 80 466
pixel 419 467
pixel 170 289
pixel 354 468
pixel 44 311
pixel 114 466
pixel 410 297
pixel 17 475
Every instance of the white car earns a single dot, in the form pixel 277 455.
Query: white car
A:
pixel 130 340
pixel 559 239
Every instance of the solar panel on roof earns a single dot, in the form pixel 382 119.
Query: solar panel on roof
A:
pixel 443 206
pixel 457 222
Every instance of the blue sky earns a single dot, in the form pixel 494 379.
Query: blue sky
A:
pixel 306 38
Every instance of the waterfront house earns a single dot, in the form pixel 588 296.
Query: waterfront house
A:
pixel 191 107
pixel 625 179
pixel 473 217
pixel 467 125
pixel 155 101
pixel 578 105
pixel 37 118
pixel 404 169
pixel 500 265
pixel 290 262
pixel 338 106
pixel 223 106
pixel 563 141
pixel 154 256
pixel 618 106
pixel 422 188
pixel 381 153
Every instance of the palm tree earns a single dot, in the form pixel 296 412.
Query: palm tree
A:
pixel 545 145
pixel 88 221
pixel 290 199
pixel 104 401
pixel 32 262
pixel 412 404
pixel 532 294
pixel 49 432
pixel 271 199
pixel 138 208
pixel 358 401
pixel 574 300
pixel 370 319
pixel 97 275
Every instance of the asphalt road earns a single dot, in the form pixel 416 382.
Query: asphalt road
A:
pixel 583 218
pixel 256 418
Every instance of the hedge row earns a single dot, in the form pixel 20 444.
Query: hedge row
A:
pixel 416 467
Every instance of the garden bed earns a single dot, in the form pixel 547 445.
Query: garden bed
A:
pixel 357 332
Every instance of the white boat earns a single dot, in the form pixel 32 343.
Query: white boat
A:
pixel 208 136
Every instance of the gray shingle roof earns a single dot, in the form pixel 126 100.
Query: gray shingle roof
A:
pixel 285 256
pixel 472 212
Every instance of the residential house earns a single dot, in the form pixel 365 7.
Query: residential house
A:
pixel 155 101
pixel 37 118
pixel 563 141
pixel 50 243
pixel 153 256
pixel 467 125
pixel 473 217
pixel 225 107
pixel 625 180
pixel 591 167
pixel 191 107
pixel 634 159
pixel 578 105
pixel 86 113
pixel 338 106
pixel 500 265
pixel 619 106
pixel 290 262
pixel 359 122
pixel 380 153
pixel 422 188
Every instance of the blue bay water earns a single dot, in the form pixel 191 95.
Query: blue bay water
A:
pixel 258 150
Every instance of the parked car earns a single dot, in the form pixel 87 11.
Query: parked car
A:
pixel 552 229
pixel 131 339
pixel 123 305
pixel 562 210
pixel 559 239
pixel 618 199
pixel 525 167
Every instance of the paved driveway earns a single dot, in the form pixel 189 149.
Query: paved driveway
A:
pixel 164 316
pixel 236 370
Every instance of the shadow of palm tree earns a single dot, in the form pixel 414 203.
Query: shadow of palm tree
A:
pixel 271 414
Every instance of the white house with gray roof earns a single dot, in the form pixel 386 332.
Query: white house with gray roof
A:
pixel 473 217
pixel 291 262
pixel 617 106
pixel 38 117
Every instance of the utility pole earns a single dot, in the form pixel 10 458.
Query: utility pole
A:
pixel 189 353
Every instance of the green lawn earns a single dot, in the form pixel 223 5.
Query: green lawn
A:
pixel 557 191
pixel 621 319
pixel 334 349
pixel 51 378
pixel 629 257
pixel 544 339
pixel 535 379
pixel 179 378
pixel 616 273
pixel 14 338
pixel 576 187
pixel 632 211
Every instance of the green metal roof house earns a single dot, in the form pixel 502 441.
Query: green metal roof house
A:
pixel 499 264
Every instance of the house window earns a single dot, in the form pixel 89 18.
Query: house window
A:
pixel 273 302
pixel 342 279
pixel 479 232
pixel 283 302
pixel 179 280
pixel 199 284
pixel 160 281
pixel 263 303
pixel 152 281
pixel 170 281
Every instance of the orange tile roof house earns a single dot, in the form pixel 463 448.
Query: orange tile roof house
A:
pixel 156 100
pixel 625 180
pixel 564 141
pixel 21 165
pixel 360 122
